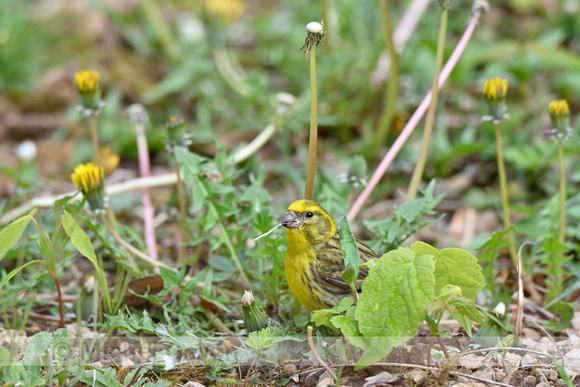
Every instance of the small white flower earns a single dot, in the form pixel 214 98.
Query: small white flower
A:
pixel 26 151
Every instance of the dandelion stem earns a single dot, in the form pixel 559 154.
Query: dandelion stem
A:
pixel 181 205
pixel 145 171
pixel 393 80
pixel 430 119
pixel 130 247
pixel 507 223
pixel 561 231
pixel 414 120
pixel 95 139
pixel 311 169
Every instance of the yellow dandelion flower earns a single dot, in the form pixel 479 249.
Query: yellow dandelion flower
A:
pixel 88 85
pixel 560 119
pixel 495 88
pixel 89 179
pixel 225 11
pixel 109 159
pixel 495 91
pixel 559 108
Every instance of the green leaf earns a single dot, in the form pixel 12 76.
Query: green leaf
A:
pixel 263 339
pixel 35 352
pixel 9 276
pixel 199 194
pixel 4 358
pixel 12 233
pixel 456 267
pixel 552 246
pixel 563 316
pixel 349 328
pixel 393 300
pixel 493 244
pixel 61 345
pixel 350 253
pixel 82 242
pixel 171 278
pixel 423 248
pixel 191 163
pixel 323 316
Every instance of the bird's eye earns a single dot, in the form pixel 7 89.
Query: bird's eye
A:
pixel 309 214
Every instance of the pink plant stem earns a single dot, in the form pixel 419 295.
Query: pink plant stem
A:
pixel 148 210
pixel 139 119
pixel 413 121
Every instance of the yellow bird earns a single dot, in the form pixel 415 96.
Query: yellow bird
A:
pixel 314 260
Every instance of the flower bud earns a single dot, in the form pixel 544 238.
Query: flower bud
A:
pixel 176 135
pixel 164 363
pixel 87 82
pixel 495 91
pixel 560 119
pixel 255 318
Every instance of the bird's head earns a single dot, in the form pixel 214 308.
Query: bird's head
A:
pixel 308 220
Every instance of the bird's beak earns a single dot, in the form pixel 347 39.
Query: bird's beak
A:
pixel 291 221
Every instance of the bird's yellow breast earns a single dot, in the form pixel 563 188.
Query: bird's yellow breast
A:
pixel 297 268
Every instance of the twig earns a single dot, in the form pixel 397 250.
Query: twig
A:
pixel 316 355
pixel 545 332
pixel 455 373
pixel 414 120
pixel 506 349
pixel 426 368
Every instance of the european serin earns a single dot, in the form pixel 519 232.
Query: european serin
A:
pixel 314 260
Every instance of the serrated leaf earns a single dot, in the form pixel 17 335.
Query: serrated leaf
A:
pixel 191 163
pixel 350 253
pixel 456 267
pixel 410 210
pixel 552 246
pixel 10 235
pixel 422 248
pixel 394 299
